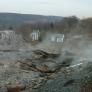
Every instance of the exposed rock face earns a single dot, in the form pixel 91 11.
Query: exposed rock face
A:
pixel 45 75
pixel 39 54
pixel 46 64
pixel 41 61
pixel 75 82
pixel 39 65
pixel 17 87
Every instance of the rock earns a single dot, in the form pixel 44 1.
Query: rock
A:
pixel 86 78
pixel 39 54
pixel 60 84
pixel 44 65
pixel 48 67
pixel 67 62
pixel 41 61
pixel 69 82
pixel 39 65
pixel 88 68
pixel 17 87
pixel 80 81
pixel 43 75
pixel 26 64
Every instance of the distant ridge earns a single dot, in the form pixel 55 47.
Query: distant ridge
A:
pixel 16 19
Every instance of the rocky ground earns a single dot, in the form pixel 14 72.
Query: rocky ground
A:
pixel 46 72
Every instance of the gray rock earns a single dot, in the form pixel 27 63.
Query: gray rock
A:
pixel 76 82
pixel 40 54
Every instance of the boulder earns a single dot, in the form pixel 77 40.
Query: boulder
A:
pixel 40 54
pixel 17 87
pixel 39 65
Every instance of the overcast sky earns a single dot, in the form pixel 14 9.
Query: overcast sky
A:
pixel 80 8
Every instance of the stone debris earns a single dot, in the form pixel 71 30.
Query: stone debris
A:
pixel 41 61
pixel 43 73
pixel 39 54
pixel 40 66
pixel 69 82
pixel 17 87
